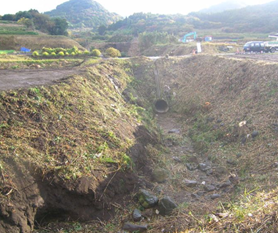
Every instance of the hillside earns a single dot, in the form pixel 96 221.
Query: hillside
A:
pixel 250 19
pixel 77 152
pixel 258 18
pixel 84 14
pixel 224 6
pixel 36 42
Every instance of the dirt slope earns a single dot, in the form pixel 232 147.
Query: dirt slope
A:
pixel 64 150
pixel 70 141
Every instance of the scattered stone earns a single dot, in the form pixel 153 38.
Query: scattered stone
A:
pixel 136 215
pixel 209 172
pixel 231 162
pixel 210 119
pixel 275 164
pixel 194 195
pixel 215 195
pixel 166 206
pixel 190 183
pixel 209 188
pixel 177 159
pixel 238 155
pixel 255 134
pixel 160 175
pixel 191 166
pixel 200 193
pixel 132 227
pixel 174 131
pixel 225 184
pixel 219 121
pixel 158 189
pixel 243 140
pixel 234 179
pixel 146 199
pixel 203 167
pixel 147 213
pixel 219 171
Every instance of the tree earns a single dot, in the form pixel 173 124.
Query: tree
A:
pixel 23 14
pixel 58 26
pixel 27 22
pixel 8 17
pixel 101 30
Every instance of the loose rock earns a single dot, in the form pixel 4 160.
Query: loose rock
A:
pixel 160 175
pixel 166 206
pixel 136 215
pixel 132 227
pixel 190 183
pixel 191 166
pixel 209 188
pixel 203 167
pixel 146 199
pixel 225 184
pixel 174 131
pixel 231 162
pixel 255 134
pixel 214 196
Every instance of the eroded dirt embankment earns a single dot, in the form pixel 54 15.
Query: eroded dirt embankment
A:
pixel 227 109
pixel 64 148
pixel 69 141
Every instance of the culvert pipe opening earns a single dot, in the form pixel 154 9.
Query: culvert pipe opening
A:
pixel 161 106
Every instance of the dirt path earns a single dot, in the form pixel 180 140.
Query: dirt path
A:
pixel 14 79
pixel 193 179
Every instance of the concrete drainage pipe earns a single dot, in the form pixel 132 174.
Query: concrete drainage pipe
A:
pixel 161 106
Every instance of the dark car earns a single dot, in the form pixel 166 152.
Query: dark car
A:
pixel 254 46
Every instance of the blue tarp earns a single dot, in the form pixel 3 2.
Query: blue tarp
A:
pixel 22 49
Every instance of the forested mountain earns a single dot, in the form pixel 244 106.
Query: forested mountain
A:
pixel 252 19
pixel 84 13
pixel 224 6
pixel 259 18
pixel 147 22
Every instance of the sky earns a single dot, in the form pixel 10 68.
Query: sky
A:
pixel 121 7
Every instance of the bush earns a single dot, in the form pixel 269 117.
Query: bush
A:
pixel 112 52
pixel 86 52
pixel 53 54
pixel 45 54
pixel 73 54
pixel 61 53
pixel 96 53
pixel 35 54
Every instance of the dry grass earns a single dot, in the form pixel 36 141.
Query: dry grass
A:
pixel 36 42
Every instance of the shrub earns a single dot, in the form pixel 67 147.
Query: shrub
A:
pixel 53 54
pixel 35 54
pixel 61 53
pixel 66 53
pixel 73 54
pixel 45 54
pixel 112 52
pixel 96 53
pixel 86 52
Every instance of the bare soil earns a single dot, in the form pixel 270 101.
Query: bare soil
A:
pixel 15 79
